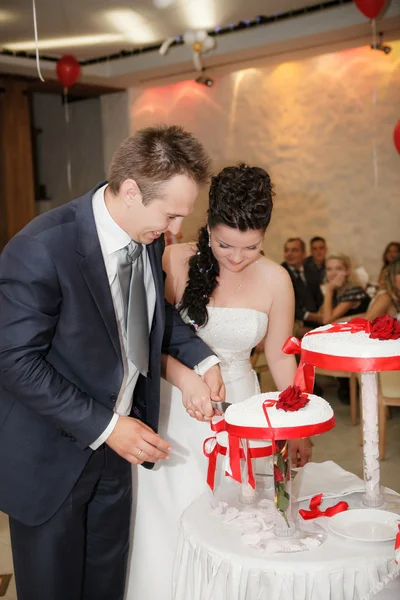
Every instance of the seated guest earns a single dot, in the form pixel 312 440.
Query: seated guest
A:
pixel 307 291
pixel 387 300
pixel 344 295
pixel 316 261
pixel 391 252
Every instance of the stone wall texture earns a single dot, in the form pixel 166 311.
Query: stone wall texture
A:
pixel 323 128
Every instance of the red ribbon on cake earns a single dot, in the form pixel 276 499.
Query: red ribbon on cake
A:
pixel 305 373
pixel 315 511
pixel 397 547
pixel 353 326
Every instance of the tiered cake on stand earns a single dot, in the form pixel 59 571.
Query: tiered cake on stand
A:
pixel 278 417
pixel 359 346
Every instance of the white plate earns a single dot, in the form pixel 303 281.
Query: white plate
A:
pixel 365 524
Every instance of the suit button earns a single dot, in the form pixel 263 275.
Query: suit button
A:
pixel 113 397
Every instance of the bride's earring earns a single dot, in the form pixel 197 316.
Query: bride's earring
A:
pixel 209 238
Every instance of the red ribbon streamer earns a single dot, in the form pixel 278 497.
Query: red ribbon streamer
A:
pixel 267 404
pixel 315 511
pixel 305 373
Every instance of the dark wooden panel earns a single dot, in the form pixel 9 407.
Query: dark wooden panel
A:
pixel 17 182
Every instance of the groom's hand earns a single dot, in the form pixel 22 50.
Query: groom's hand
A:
pixel 213 379
pixel 136 442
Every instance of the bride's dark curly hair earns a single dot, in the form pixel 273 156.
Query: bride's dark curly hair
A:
pixel 240 198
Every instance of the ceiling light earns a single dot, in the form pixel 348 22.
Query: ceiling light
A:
pixel 69 42
pixel 163 3
pixel 135 28
pixel 200 15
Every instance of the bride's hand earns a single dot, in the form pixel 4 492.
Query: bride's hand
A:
pixel 213 379
pixel 196 397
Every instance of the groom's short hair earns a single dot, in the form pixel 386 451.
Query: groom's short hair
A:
pixel 154 155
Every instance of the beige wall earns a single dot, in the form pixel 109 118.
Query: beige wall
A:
pixel 313 125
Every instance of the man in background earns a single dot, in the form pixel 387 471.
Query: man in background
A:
pixel 306 285
pixel 315 263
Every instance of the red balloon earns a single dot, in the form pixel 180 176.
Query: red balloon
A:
pixel 370 8
pixel 396 136
pixel 68 70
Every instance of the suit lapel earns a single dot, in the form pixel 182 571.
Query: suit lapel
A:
pixel 154 252
pixel 93 268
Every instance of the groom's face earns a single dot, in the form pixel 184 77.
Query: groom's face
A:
pixel 175 200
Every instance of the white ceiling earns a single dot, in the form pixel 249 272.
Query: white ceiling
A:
pixel 121 26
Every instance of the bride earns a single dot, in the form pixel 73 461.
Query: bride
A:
pixel 232 295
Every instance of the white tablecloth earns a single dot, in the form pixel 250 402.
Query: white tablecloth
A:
pixel 212 563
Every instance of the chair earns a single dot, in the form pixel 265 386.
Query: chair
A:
pixel 388 395
pixel 259 363
pixel 353 389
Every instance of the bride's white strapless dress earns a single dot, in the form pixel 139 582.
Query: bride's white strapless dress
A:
pixel 162 494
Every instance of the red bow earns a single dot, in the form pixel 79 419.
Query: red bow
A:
pixel 304 377
pixel 218 424
pixel 211 450
pixel 315 512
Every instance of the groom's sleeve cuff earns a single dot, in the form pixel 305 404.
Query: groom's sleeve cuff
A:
pixel 206 364
pixel 106 433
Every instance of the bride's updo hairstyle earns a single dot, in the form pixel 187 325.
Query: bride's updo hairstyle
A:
pixel 240 198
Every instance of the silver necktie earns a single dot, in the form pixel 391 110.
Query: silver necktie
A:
pixel 134 297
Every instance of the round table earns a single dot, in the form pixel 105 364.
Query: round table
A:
pixel 212 563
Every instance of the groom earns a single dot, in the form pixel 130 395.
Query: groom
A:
pixel 83 324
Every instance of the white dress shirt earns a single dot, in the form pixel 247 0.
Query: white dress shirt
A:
pixel 112 239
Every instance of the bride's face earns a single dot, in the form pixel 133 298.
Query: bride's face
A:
pixel 234 249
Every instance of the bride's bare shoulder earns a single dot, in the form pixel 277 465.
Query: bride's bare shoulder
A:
pixel 176 256
pixel 176 266
pixel 273 272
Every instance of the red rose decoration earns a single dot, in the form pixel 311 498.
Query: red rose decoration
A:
pixel 292 399
pixel 385 328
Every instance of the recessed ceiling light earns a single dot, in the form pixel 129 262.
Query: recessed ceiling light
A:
pixel 200 15
pixel 67 42
pixel 134 27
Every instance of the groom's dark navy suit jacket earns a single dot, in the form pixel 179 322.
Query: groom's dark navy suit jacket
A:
pixel 60 357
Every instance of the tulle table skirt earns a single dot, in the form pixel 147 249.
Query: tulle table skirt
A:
pixel 212 563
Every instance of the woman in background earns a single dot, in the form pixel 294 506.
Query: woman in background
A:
pixel 391 252
pixel 387 300
pixel 343 294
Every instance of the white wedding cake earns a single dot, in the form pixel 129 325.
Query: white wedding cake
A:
pixel 250 414
pixel 351 344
